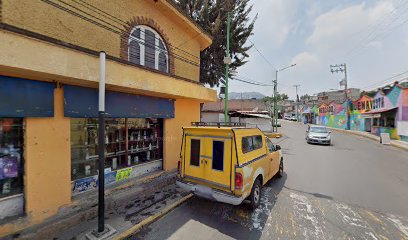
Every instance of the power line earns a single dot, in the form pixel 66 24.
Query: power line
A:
pixel 384 80
pixel 112 29
pixel 374 34
pixel 260 53
pixel 120 21
pixel 252 82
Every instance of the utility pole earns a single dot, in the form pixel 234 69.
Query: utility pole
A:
pixel 275 92
pixel 297 101
pixel 275 103
pixel 227 61
pixel 343 68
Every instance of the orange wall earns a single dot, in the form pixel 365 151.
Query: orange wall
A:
pixel 47 162
pixel 186 111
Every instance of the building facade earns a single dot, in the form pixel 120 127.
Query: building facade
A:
pixel 49 74
pixel 386 112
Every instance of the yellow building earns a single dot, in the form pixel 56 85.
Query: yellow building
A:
pixel 49 71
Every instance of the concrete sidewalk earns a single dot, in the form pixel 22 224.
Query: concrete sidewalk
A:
pixel 395 143
pixel 127 208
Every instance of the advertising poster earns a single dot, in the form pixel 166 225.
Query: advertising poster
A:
pixel 85 184
pixel 8 167
pixel 123 174
pixel 110 177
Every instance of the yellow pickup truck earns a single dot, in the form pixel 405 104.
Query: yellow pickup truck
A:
pixel 227 164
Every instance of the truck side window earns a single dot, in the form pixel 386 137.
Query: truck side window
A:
pixel 251 143
pixel 218 155
pixel 195 152
pixel 246 144
pixel 270 145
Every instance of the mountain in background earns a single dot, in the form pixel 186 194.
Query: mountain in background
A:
pixel 246 95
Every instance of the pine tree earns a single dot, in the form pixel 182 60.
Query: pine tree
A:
pixel 211 15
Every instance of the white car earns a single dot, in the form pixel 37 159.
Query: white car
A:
pixel 277 123
pixel 318 135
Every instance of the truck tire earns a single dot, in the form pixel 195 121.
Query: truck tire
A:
pixel 279 174
pixel 255 197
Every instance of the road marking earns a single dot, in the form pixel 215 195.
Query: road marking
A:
pixel 399 225
pixel 305 211
pixel 352 218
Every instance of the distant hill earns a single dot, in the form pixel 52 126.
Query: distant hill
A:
pixel 246 95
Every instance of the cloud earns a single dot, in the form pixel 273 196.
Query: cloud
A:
pixel 340 30
pixel 306 60
pixel 276 19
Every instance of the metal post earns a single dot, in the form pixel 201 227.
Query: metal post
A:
pixel 347 99
pixel 275 107
pixel 297 102
pixel 101 144
pixel 227 70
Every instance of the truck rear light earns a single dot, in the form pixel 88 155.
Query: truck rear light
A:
pixel 238 181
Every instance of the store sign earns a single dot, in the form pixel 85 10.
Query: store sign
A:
pixel 85 184
pixel 370 115
pixel 123 174
pixel 8 167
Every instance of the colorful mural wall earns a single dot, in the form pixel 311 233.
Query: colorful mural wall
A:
pixel 386 112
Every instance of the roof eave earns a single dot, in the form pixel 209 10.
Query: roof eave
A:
pixel 204 37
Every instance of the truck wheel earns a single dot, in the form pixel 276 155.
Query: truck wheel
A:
pixel 279 174
pixel 255 196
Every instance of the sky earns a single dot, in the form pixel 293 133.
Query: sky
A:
pixel 370 37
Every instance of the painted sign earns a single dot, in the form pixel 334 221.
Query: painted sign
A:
pixel 8 167
pixel 85 184
pixel 123 174
pixel 110 177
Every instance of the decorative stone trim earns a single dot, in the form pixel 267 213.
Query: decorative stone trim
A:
pixel 140 20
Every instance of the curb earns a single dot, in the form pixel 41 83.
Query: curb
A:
pixel 372 137
pixel 151 219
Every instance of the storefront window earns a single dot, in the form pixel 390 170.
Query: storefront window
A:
pixel 128 142
pixel 11 156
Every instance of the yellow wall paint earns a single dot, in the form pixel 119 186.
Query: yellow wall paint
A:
pixel 186 111
pixel 61 25
pixel 24 57
pixel 47 162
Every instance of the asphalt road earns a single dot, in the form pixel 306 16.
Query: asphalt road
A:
pixel 355 189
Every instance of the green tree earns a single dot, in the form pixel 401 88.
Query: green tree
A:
pixel 211 15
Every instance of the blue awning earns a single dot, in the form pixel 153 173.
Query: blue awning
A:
pixel 26 98
pixel 81 102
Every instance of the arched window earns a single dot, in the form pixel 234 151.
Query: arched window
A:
pixel 147 48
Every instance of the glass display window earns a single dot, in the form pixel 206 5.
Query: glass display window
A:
pixel 128 142
pixel 11 156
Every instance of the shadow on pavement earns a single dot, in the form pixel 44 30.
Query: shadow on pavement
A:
pixel 216 219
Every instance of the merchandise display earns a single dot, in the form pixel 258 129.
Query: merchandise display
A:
pixel 128 142
pixel 11 162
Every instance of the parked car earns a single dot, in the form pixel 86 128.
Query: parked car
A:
pixel 227 164
pixel 318 135
pixel 293 118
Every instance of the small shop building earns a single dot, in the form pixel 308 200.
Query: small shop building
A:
pixel 49 74
pixel 389 113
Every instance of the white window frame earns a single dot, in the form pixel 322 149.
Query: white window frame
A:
pixel 142 46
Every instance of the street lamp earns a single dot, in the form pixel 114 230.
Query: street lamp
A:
pixel 275 89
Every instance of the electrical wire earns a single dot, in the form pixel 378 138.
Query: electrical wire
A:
pixel 260 53
pixel 120 21
pixel 112 29
pixel 251 82
pixel 381 82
